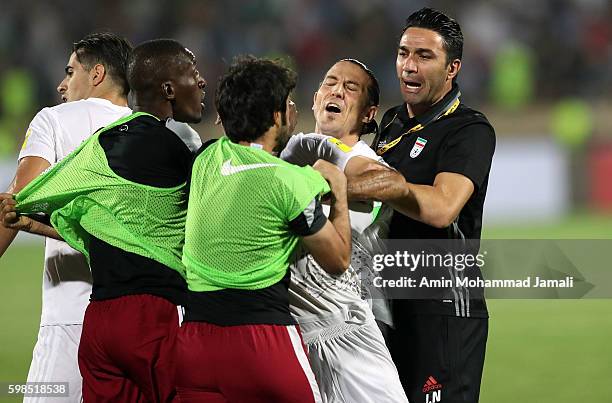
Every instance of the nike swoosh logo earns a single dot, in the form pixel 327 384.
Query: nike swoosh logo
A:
pixel 228 169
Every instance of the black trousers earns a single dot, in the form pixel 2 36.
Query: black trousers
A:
pixel 439 358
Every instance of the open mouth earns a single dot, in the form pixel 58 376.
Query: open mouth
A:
pixel 64 99
pixel 412 84
pixel 333 108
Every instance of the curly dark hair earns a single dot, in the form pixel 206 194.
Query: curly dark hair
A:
pixel 249 94
pixel 109 50
pixel 445 26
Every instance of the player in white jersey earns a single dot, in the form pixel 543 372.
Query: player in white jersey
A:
pixel 95 91
pixel 346 348
pixel 95 81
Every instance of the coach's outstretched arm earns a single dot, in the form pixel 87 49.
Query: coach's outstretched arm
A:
pixel 331 246
pixel 28 169
pixel 436 205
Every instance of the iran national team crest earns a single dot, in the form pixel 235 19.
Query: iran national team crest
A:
pixel 419 144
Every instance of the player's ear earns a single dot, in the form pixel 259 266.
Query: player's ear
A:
pixel 278 119
pixel 370 114
pixel 314 99
pixel 168 90
pixel 97 74
pixel 453 69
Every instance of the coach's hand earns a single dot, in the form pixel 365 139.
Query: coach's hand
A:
pixel 9 217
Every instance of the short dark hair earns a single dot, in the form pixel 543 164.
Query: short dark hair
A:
pixel 154 62
pixel 248 95
pixel 108 49
pixel 445 26
pixel 373 91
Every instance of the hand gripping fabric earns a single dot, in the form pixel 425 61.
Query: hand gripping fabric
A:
pixel 85 197
pixel 240 204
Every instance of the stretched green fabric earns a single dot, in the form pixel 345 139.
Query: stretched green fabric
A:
pixel 84 198
pixel 240 204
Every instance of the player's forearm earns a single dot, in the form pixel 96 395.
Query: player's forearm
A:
pixel 7 236
pixel 28 168
pixel 339 217
pixel 427 204
pixel 37 228
pixel 379 185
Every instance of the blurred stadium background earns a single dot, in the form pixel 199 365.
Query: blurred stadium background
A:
pixel 538 69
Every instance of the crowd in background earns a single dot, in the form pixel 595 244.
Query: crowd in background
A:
pixel 516 52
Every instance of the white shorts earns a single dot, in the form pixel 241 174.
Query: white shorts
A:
pixel 351 360
pixel 55 359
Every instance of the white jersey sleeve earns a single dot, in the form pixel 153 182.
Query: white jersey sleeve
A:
pixel 40 139
pixel 190 137
pixel 363 150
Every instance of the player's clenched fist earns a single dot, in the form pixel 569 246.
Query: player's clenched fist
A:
pixel 8 215
pixel 332 174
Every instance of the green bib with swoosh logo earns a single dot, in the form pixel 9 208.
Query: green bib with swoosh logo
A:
pixel 240 204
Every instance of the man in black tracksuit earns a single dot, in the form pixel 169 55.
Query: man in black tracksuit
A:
pixel 442 151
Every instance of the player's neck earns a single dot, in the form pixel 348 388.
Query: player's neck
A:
pixel 110 95
pixel 267 142
pixel 161 110
pixel 349 139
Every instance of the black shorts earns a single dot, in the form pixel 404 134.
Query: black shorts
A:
pixel 439 358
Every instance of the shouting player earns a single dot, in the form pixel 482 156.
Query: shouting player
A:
pixel 346 348
pixel 247 212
